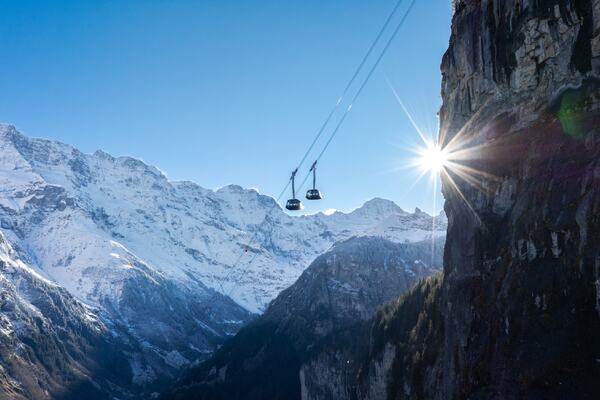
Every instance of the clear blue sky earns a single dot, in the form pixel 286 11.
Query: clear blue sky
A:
pixel 223 92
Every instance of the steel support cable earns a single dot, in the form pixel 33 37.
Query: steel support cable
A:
pixel 351 81
pixel 362 86
pixel 330 115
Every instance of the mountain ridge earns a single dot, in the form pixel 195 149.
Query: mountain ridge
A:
pixel 73 178
pixel 158 258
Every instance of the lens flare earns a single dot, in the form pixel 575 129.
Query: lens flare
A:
pixel 433 158
pixel 450 162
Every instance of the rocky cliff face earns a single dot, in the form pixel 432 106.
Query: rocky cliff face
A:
pixel 517 313
pixel 521 112
pixel 271 358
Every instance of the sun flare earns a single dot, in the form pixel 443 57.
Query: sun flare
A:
pixel 433 158
pixel 448 163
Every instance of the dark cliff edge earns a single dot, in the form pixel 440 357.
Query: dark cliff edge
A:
pixel 328 306
pixel 521 94
pixel 517 312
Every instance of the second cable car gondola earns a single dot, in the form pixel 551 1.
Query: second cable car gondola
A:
pixel 314 193
pixel 294 204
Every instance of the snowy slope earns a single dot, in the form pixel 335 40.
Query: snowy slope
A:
pixel 89 222
pixel 52 345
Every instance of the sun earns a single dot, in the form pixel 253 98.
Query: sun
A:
pixel 433 158
pixel 449 162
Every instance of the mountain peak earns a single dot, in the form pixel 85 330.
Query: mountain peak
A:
pixel 231 188
pixel 135 164
pixel 9 132
pixel 103 155
pixel 380 206
pixel 4 128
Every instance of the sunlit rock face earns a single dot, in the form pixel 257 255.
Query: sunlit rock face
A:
pixel 517 313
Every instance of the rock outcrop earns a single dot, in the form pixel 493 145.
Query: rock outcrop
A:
pixel 522 111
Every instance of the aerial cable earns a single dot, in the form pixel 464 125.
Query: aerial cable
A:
pixel 349 84
pixel 368 78
pixel 362 86
pixel 293 184
pixel 313 169
pixel 328 119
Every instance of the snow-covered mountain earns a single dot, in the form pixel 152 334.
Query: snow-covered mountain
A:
pixel 88 221
pixel 165 264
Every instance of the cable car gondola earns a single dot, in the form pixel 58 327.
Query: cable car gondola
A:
pixel 314 194
pixel 294 204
